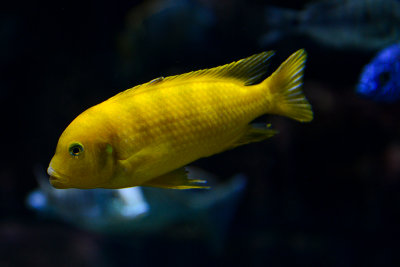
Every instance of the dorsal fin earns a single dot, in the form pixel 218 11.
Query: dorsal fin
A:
pixel 249 71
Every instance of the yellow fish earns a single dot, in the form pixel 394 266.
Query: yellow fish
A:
pixel 144 136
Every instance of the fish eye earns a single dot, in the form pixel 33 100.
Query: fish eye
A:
pixel 75 149
pixel 384 77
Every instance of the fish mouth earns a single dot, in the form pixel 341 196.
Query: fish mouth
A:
pixel 365 89
pixel 57 180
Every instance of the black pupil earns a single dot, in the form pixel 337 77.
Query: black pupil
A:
pixel 76 150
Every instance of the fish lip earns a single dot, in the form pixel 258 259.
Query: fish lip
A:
pixel 56 178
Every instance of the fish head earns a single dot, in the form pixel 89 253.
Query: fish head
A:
pixel 380 79
pixel 83 158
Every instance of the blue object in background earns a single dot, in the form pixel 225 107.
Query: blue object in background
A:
pixel 143 211
pixel 96 210
pixel 380 79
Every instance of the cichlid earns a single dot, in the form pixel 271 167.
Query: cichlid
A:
pixel 367 25
pixel 380 79
pixel 147 134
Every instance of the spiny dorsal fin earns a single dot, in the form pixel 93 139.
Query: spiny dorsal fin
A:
pixel 249 70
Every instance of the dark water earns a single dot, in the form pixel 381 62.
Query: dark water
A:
pixel 325 193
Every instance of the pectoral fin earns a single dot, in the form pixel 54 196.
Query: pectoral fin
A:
pixel 177 179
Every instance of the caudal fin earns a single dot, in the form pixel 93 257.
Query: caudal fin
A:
pixel 285 88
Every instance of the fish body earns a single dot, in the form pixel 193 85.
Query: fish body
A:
pixel 147 134
pixel 380 79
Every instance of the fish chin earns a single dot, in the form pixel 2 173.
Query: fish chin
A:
pixel 56 183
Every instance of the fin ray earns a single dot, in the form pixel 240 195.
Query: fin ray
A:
pixel 177 179
pixel 255 133
pixel 248 71
pixel 286 86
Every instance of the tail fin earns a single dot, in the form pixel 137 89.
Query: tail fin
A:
pixel 285 88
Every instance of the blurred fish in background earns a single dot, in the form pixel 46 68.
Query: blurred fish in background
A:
pixel 143 211
pixel 367 25
pixel 97 210
pixel 380 79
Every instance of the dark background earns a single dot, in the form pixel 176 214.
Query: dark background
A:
pixel 323 193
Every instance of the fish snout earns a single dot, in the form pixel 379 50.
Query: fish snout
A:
pixel 367 90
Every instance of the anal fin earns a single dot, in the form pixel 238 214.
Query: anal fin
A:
pixel 177 179
pixel 255 133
